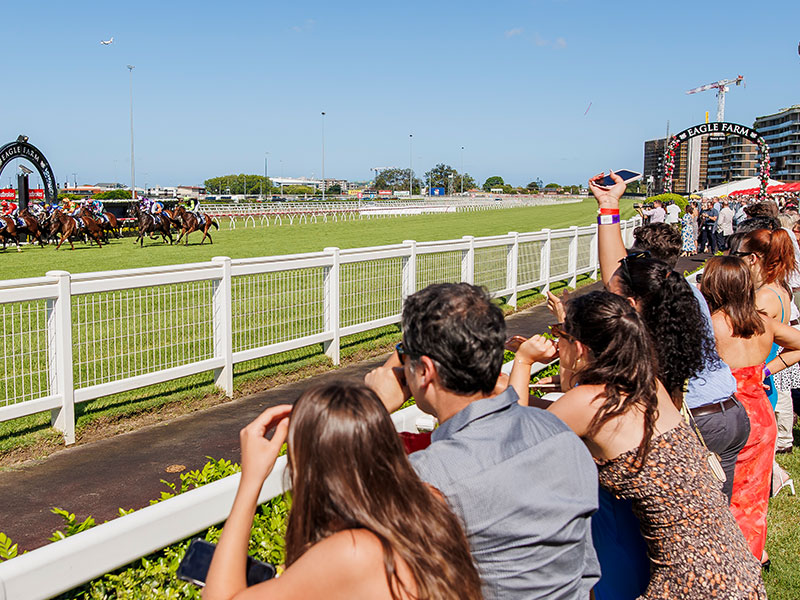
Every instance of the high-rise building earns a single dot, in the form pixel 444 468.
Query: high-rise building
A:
pixel 781 131
pixel 691 165
pixel 653 172
pixel 730 158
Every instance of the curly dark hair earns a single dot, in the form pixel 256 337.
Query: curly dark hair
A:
pixel 661 240
pixel 622 360
pixel 681 336
pixel 459 327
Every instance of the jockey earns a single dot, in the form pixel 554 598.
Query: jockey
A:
pixel 36 209
pixel 195 205
pixel 96 206
pixel 9 208
pixel 156 207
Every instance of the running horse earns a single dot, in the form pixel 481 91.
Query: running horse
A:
pixel 191 221
pixel 149 224
pixel 69 227
pixel 8 231
pixel 31 226
pixel 107 222
pixel 92 226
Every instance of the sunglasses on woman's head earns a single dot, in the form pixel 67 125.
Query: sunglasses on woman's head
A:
pixel 639 254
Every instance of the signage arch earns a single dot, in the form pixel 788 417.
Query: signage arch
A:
pixel 22 149
pixel 719 128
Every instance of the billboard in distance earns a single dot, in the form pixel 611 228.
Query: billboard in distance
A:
pixel 437 191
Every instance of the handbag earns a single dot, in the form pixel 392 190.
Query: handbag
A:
pixel 712 458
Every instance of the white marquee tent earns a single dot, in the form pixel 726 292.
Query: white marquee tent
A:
pixel 733 186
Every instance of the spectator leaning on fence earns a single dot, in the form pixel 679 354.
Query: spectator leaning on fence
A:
pixel 523 484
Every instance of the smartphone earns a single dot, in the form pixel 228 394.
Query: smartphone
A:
pixel 197 560
pixel 627 177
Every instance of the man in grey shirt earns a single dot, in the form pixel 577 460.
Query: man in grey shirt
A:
pixel 523 484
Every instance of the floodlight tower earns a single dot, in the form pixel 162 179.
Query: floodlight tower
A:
pixel 722 87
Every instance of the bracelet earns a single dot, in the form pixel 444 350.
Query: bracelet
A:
pixel 608 219
pixel 783 361
pixel 608 211
pixel 767 373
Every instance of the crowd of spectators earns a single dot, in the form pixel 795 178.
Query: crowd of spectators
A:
pixel 648 476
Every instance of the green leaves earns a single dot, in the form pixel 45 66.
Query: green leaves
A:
pixel 7 549
pixel 72 526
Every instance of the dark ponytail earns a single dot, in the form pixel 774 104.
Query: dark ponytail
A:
pixel 670 311
pixel 622 360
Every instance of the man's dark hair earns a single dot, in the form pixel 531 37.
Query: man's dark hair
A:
pixel 661 240
pixel 461 330
pixel 762 222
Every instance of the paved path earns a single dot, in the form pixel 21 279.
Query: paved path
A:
pixel 125 471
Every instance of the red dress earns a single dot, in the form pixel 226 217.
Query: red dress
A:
pixel 752 478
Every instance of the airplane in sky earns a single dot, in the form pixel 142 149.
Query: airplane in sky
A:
pixel 107 42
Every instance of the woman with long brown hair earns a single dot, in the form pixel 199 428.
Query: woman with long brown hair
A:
pixel 646 453
pixel 362 524
pixel 745 336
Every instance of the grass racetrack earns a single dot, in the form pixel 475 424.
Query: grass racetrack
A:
pixel 297 238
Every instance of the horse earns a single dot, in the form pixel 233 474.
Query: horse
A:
pixel 92 226
pixel 69 227
pixel 150 224
pixel 32 226
pixel 8 231
pixel 108 222
pixel 191 221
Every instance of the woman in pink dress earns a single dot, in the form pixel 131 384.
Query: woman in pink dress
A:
pixel 744 338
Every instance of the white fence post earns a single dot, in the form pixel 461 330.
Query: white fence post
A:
pixel 331 302
pixel 594 257
pixel 512 260
pixel 59 328
pixel 410 269
pixel 468 261
pixel 544 263
pixel 223 326
pixel 573 258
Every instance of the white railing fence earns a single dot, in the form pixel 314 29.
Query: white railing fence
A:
pixel 70 338
pixel 271 213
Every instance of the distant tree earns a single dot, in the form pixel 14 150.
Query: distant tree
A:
pixel 495 181
pixel 300 190
pixel 552 186
pixel 256 184
pixel 334 189
pixel 113 195
pixel 396 179
pixel 447 177
pixel 533 186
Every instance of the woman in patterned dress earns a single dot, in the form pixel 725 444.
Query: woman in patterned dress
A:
pixel 745 336
pixel 646 452
pixel 688 235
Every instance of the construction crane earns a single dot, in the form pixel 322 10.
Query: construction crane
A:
pixel 721 87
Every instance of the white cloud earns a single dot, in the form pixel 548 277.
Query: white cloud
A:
pixel 308 25
pixel 561 43
pixel 540 41
pixel 513 32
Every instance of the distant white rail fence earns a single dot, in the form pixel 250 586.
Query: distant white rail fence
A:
pixel 278 213
pixel 70 338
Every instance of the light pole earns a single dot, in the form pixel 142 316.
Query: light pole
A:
pixel 323 156
pixel 462 170
pixel 133 170
pixel 266 171
pixel 410 165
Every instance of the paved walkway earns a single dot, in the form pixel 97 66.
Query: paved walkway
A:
pixel 126 471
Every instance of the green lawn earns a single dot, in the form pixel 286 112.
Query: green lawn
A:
pixel 291 239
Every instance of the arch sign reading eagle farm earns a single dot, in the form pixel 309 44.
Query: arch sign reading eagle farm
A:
pixel 721 128
pixel 22 149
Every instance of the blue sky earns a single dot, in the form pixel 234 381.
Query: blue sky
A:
pixel 219 84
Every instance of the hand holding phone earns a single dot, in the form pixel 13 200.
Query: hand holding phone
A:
pixel 197 560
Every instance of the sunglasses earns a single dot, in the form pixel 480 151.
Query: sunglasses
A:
pixel 559 331
pixel 403 353
pixel 740 253
pixel 632 256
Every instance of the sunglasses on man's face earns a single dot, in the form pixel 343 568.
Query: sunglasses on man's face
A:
pixel 402 353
